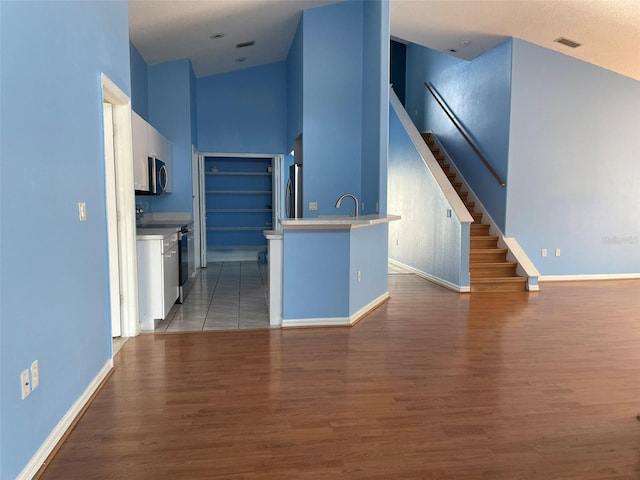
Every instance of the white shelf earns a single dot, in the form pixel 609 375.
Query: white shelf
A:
pixel 240 192
pixel 239 210
pixel 237 229
pixel 240 174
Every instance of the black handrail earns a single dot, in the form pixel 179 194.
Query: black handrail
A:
pixel 457 124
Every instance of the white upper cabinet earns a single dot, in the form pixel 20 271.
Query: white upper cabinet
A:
pixel 160 148
pixel 140 152
pixel 148 142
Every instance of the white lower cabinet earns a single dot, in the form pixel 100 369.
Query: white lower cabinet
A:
pixel 158 278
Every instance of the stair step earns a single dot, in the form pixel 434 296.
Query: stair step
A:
pixel 480 228
pixel 500 284
pixel 483 241
pixel 451 176
pixel 463 196
pixel 477 217
pixel 457 185
pixel 470 206
pixel 492 270
pixel 487 255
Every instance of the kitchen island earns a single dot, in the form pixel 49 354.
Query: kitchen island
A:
pixel 334 269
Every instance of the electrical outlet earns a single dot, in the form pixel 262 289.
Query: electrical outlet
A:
pixel 35 375
pixel 544 252
pixel 557 252
pixel 82 211
pixel 24 384
pixel 359 276
pixel 377 207
pixel 313 206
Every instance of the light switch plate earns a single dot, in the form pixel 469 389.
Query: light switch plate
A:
pixel 313 206
pixel 82 211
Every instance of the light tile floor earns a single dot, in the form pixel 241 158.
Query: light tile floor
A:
pixel 225 296
pixel 228 296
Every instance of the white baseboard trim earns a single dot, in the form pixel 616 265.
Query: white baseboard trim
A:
pixel 580 278
pixel 369 307
pixel 439 281
pixel 316 322
pixel 336 321
pixel 63 425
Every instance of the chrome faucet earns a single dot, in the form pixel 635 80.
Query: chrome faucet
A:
pixel 350 195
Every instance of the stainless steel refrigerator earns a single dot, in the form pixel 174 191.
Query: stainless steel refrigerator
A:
pixel 294 192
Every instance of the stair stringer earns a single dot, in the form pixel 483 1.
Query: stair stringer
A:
pixel 525 267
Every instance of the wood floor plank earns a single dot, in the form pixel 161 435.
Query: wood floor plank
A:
pixel 431 385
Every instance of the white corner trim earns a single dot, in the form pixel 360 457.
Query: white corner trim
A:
pixel 336 321
pixel 437 280
pixel 63 425
pixel 577 278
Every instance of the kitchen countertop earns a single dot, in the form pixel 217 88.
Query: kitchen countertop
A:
pixel 144 233
pixel 336 222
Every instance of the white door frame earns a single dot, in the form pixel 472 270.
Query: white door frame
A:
pixel 202 221
pixel 112 221
pixel 125 201
pixel 196 204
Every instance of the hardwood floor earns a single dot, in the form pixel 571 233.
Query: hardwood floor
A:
pixel 432 385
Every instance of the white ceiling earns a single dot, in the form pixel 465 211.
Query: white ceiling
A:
pixel 164 30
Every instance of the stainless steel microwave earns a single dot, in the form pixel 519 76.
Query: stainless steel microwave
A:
pixel 158 178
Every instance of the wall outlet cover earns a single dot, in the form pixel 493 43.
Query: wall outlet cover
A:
pixel 35 375
pixel 24 384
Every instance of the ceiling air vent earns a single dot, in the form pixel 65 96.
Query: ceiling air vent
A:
pixel 567 42
pixel 245 44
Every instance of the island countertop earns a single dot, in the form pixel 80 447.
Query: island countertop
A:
pixel 336 222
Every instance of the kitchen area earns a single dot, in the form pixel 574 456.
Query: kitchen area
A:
pixel 174 293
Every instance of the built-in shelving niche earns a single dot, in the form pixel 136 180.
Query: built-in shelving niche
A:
pixel 239 206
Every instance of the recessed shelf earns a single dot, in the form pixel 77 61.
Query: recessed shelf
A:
pixel 239 192
pixel 240 174
pixel 238 247
pixel 238 199
pixel 238 229
pixel 238 210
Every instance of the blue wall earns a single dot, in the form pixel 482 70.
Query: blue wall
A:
pixel 54 271
pixel 574 174
pixel 425 238
pixel 295 76
pixel 479 94
pixel 170 111
pixel 243 111
pixel 338 74
pixel 367 256
pixel 332 104
pixel 375 106
pixel 315 274
pixel 423 64
pixel 139 83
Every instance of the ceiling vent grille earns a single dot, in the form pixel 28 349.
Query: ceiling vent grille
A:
pixel 567 42
pixel 245 44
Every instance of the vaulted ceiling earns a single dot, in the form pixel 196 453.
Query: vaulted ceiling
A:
pixel 164 30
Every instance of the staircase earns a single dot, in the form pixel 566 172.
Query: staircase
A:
pixel 488 266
